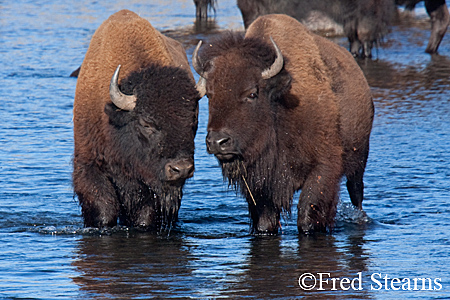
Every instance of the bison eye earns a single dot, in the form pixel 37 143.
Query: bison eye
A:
pixel 252 96
pixel 252 93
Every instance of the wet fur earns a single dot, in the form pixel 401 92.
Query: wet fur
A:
pixel 130 175
pixel 274 193
pixel 118 162
pixel 308 144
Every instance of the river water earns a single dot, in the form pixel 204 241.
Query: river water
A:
pixel 400 250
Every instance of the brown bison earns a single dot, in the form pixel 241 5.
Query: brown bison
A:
pixel 288 110
pixel 134 141
pixel 364 22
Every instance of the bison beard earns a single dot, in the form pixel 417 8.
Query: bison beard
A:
pixel 142 206
pixel 267 186
pixel 144 202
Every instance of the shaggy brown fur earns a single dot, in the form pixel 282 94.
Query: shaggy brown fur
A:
pixel 304 128
pixel 120 157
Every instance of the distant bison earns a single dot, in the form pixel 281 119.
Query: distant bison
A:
pixel 134 141
pixel 202 7
pixel 286 114
pixel 440 19
pixel 364 22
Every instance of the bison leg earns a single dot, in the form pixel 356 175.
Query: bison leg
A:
pixel 355 187
pixel 352 36
pixel 145 217
pixel 354 172
pixel 440 18
pixel 144 214
pixel 318 201
pixel 142 217
pixel 265 219
pixel 96 196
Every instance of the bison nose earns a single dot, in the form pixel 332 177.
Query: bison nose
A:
pixel 179 169
pixel 221 144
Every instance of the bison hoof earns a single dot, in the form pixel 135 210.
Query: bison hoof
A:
pixel 267 225
pixel 311 220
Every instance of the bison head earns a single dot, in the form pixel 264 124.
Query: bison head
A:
pixel 246 85
pixel 242 89
pixel 153 122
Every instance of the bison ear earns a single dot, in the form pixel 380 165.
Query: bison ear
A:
pixel 279 87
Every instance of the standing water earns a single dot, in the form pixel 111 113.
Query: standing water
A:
pixel 400 250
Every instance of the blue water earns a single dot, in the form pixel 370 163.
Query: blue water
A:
pixel 45 253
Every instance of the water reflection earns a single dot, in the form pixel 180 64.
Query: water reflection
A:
pixel 437 72
pixel 205 26
pixel 129 265
pixel 140 264
pixel 387 75
pixel 275 264
pixel 405 90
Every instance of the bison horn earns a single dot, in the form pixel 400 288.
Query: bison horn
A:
pixel 201 84
pixel 196 63
pixel 277 65
pixel 122 101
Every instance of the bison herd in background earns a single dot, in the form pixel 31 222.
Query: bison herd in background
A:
pixel 363 22
pixel 288 110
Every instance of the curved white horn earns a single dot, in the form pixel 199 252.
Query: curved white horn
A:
pixel 196 63
pixel 277 65
pixel 122 101
pixel 201 84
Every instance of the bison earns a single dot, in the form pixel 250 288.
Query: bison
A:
pixel 440 19
pixel 202 7
pixel 364 22
pixel 134 131
pixel 288 110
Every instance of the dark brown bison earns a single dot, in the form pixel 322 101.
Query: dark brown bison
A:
pixel 440 19
pixel 364 22
pixel 286 114
pixel 202 7
pixel 134 141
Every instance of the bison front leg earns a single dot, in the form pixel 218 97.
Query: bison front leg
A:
pixel 96 196
pixel 318 201
pixel 440 19
pixel 265 218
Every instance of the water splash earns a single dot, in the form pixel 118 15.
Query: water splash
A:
pixel 347 213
